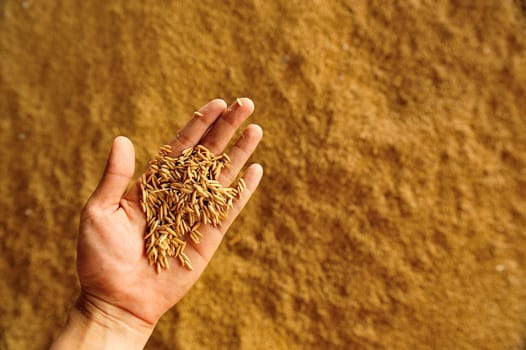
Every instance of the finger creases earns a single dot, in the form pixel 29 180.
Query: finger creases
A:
pixel 224 128
pixel 197 126
pixel 251 178
pixel 117 175
pixel 241 152
pixel 207 247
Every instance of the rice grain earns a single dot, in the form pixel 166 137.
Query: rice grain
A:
pixel 178 194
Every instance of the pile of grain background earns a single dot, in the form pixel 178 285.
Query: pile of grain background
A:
pixel 392 213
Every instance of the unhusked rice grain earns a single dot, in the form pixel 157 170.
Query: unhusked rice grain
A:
pixel 178 194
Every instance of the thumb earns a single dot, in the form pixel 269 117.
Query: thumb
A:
pixel 118 173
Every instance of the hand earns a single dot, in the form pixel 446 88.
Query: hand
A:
pixel 118 286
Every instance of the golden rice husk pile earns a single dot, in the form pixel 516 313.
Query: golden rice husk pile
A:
pixel 177 196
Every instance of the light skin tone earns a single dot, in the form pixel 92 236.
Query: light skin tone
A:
pixel 122 297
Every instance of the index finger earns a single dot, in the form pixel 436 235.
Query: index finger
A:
pixel 200 122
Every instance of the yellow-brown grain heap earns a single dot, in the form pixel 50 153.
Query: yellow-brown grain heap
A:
pixel 178 195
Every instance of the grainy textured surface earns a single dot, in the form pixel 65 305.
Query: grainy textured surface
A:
pixel 392 213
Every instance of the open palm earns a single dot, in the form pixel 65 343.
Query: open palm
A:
pixel 114 273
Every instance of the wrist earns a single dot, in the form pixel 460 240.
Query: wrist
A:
pixel 95 324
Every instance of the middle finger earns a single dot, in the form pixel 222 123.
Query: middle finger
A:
pixel 222 130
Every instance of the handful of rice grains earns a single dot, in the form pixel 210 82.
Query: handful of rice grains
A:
pixel 177 196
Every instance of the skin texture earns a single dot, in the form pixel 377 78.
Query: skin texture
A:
pixel 122 297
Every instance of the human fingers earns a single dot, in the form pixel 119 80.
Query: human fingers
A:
pixel 241 152
pixel 224 128
pixel 190 134
pixel 117 174
pixel 252 178
pixel 212 236
pixel 200 122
